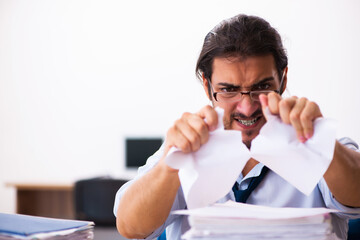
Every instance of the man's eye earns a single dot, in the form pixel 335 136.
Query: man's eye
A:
pixel 263 86
pixel 229 89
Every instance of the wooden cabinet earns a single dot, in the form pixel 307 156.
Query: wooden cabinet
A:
pixel 47 200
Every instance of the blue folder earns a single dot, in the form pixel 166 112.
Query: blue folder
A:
pixel 24 225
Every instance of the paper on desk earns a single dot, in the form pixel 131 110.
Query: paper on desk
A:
pixel 231 209
pixel 209 173
pixel 232 220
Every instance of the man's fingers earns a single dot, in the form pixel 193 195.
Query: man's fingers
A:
pixel 300 113
pixel 264 103
pixel 175 138
pixel 273 102
pixel 201 128
pixel 295 121
pixel 285 107
pixel 210 115
pixel 310 113
pixel 192 130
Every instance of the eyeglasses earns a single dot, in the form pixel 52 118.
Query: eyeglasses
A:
pixel 234 96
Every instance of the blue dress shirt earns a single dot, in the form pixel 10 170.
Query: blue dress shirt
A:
pixel 272 191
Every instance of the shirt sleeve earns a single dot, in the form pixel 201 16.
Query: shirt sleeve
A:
pixel 179 202
pixel 330 201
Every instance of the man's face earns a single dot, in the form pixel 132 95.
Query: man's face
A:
pixel 234 74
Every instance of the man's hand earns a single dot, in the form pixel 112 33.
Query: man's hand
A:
pixel 191 131
pixel 299 112
pixel 147 203
pixel 343 174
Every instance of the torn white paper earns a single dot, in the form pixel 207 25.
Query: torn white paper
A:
pixel 209 173
pixel 301 164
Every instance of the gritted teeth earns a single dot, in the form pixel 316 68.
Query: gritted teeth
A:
pixel 248 122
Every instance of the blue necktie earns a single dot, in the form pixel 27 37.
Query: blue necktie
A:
pixel 240 195
pixel 243 195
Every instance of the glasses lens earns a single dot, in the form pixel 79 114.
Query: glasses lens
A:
pixel 227 96
pixel 255 94
pixel 237 96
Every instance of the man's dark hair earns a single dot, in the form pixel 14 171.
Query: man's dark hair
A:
pixel 241 36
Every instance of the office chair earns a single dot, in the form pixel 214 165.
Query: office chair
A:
pixel 94 200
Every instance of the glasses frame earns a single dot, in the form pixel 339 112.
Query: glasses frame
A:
pixel 214 94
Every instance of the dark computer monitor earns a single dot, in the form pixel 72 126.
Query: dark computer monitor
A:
pixel 138 150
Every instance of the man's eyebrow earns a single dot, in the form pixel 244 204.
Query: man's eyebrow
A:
pixel 267 79
pixel 225 84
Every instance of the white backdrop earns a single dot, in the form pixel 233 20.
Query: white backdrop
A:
pixel 77 76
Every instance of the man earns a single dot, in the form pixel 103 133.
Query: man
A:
pixel 243 68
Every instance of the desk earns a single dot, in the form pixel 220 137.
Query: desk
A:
pixel 47 200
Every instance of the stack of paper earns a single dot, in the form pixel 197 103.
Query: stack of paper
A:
pixel 233 220
pixel 16 226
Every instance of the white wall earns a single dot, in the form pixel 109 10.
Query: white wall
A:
pixel 77 76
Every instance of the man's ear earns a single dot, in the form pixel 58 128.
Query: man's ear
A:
pixel 284 82
pixel 206 86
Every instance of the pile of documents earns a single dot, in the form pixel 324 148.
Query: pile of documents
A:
pixel 233 220
pixel 17 226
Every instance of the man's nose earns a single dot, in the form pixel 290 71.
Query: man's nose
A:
pixel 246 105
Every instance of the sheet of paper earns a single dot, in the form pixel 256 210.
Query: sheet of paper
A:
pixel 209 173
pixel 230 210
pixel 233 220
pixel 301 164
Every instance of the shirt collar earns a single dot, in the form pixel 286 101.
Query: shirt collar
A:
pixel 254 172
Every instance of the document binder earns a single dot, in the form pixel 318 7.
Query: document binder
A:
pixel 17 226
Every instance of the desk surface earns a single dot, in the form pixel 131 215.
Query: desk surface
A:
pixel 40 186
